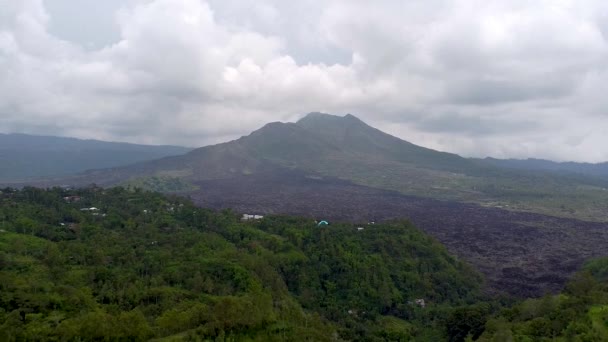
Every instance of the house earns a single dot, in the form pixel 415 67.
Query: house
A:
pixel 420 302
pixel 360 228
pixel 72 199
pixel 247 217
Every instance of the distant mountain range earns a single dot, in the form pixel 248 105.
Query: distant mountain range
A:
pixel 596 170
pixel 24 156
pixel 346 148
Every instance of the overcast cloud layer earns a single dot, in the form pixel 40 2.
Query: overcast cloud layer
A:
pixel 502 78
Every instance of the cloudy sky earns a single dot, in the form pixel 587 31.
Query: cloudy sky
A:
pixel 512 78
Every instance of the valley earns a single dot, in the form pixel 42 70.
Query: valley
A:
pixel 526 230
pixel 286 171
pixel 522 254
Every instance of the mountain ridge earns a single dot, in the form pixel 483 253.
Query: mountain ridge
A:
pixel 590 169
pixel 344 147
pixel 24 156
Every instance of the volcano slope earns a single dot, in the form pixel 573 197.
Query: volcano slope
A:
pixel 347 148
pixel 521 254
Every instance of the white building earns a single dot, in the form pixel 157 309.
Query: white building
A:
pixel 247 217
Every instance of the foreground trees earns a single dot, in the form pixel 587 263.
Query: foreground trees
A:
pixel 112 264
pixel 580 313
pixel 108 264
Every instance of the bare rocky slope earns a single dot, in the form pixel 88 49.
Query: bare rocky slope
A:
pixel 522 254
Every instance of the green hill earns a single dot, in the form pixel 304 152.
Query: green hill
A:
pixel 141 265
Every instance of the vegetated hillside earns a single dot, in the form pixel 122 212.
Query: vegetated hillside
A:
pixel 139 265
pixel 596 170
pixel 98 264
pixel 347 148
pixel 29 156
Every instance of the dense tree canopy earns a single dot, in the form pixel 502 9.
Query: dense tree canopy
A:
pixel 114 263
pixel 107 264
pixel 580 313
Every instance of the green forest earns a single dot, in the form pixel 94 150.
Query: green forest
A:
pixel 120 264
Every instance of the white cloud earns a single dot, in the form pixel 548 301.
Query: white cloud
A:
pixel 503 78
